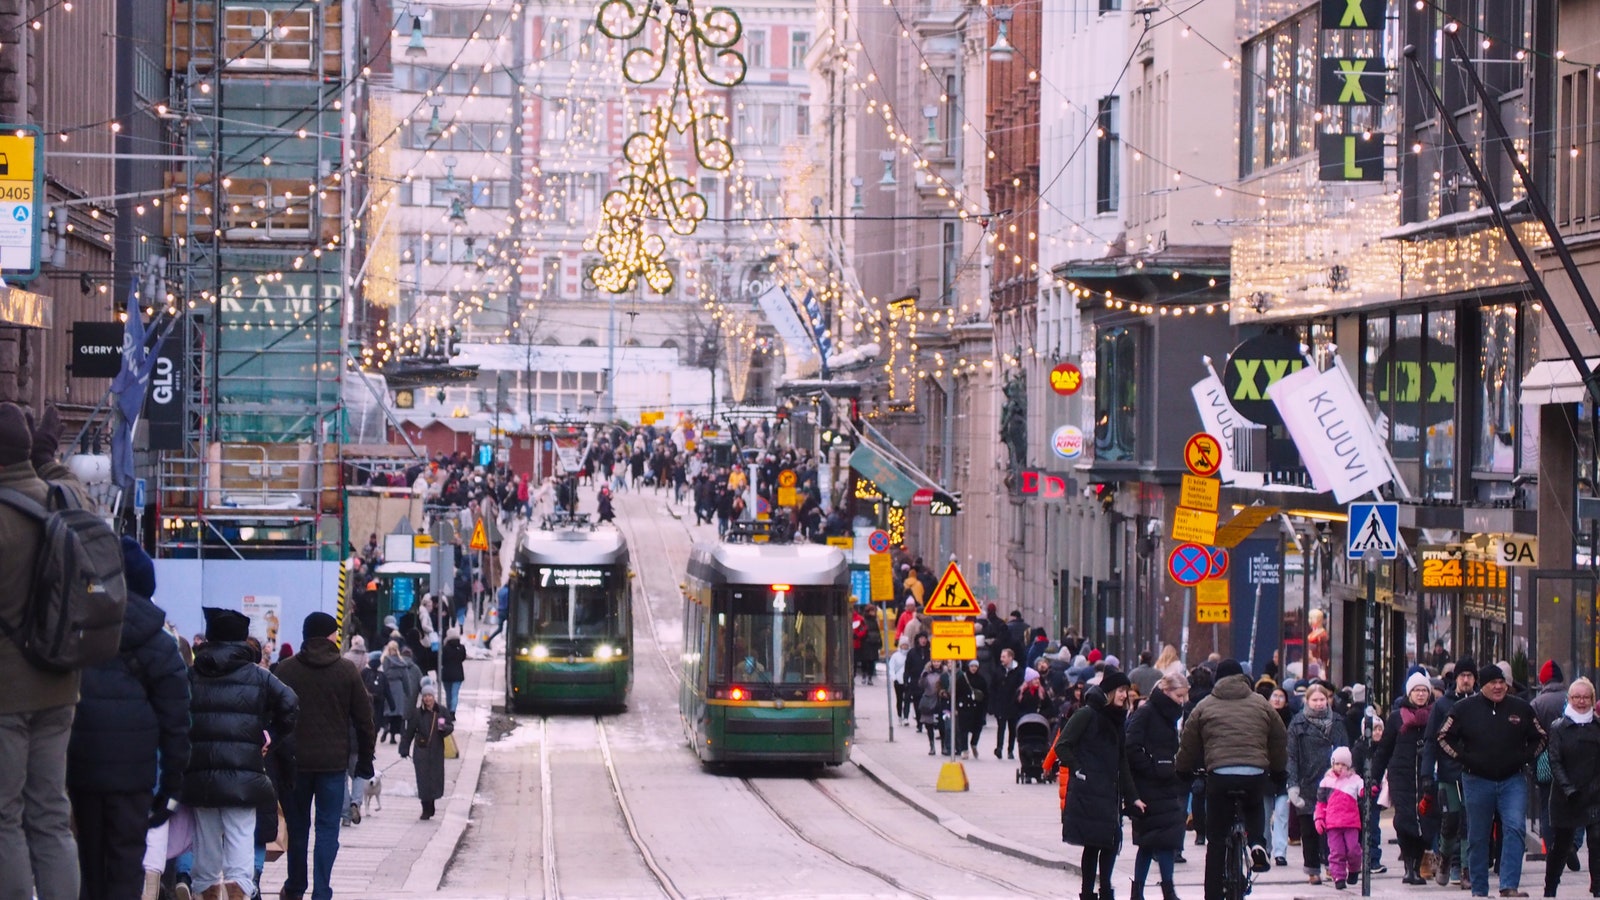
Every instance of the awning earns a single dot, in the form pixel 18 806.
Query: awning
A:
pixel 876 460
pixel 1555 381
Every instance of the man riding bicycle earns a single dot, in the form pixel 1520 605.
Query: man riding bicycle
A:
pixel 1238 739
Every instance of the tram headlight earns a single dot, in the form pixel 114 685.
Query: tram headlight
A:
pixel 604 651
pixel 540 651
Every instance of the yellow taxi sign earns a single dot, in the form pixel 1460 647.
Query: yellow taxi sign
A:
pixel 16 157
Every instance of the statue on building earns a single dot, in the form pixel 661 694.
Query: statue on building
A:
pixel 1014 418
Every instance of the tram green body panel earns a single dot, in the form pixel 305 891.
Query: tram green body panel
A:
pixel 738 733
pixel 548 683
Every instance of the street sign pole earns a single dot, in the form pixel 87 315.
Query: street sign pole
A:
pixel 1188 608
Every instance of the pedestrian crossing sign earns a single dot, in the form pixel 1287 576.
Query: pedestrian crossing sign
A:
pixel 1374 526
pixel 952 597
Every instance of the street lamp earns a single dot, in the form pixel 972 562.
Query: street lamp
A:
pixel 887 182
pixel 857 204
pixel 1001 51
pixel 414 45
pixel 435 127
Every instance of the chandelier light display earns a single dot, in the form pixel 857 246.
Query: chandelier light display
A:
pixel 686 51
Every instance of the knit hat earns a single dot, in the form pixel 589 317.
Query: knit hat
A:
pixel 16 441
pixel 1550 671
pixel 1228 667
pixel 1340 755
pixel 1358 693
pixel 1111 679
pixel 1466 664
pixel 137 570
pixel 319 625
pixel 1029 676
pixel 1417 678
pixel 428 690
pixel 223 625
pixel 1490 673
pixel 1113 662
pixel 1095 656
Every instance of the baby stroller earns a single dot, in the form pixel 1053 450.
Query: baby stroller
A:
pixel 1033 742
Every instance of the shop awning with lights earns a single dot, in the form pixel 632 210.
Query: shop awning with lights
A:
pixel 877 460
pixel 1555 381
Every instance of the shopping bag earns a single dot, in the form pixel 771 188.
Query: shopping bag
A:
pixel 450 751
pixel 280 843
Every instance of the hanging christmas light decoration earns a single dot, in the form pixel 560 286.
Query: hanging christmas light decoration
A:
pixel 689 51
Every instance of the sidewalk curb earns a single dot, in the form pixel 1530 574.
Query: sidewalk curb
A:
pixel 427 876
pixel 951 822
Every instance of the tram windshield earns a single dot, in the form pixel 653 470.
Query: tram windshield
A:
pixel 795 636
pixel 570 602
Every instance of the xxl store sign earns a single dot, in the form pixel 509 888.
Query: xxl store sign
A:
pixel 1347 82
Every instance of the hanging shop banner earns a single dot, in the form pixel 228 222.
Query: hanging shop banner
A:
pixel 780 311
pixel 1353 15
pixel 1219 418
pixel 163 409
pixel 1329 425
pixel 96 349
pixel 1350 157
pixel 1252 368
pixel 1351 81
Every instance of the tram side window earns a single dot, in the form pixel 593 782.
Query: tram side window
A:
pixel 790 638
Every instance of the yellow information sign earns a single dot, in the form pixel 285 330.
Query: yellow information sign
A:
pixel 786 496
pixel 1200 493
pixel 953 648
pixel 952 597
pixel 843 543
pixel 1193 525
pixel 1211 592
pixel 19 186
pixel 1213 615
pixel 422 542
pixel 953 630
pixel 480 537
pixel 881 570
pixel 1240 526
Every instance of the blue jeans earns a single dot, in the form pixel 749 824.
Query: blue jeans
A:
pixel 452 693
pixel 1483 798
pixel 1280 826
pixel 327 791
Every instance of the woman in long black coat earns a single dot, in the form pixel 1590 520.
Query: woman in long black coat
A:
pixel 1152 743
pixel 1091 747
pixel 1399 757
pixel 1574 795
pixel 424 743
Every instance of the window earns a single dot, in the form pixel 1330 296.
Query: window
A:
pixel 552 276
pixel 755 53
pixel 711 189
pixel 952 116
pixel 557 119
pixel 1110 5
pixel 802 120
pixel 1108 180
pixel 779 639
pixel 1278 87
pixel 771 124
pixel 947 265
pixel 454 83
pixel 1408 362
pixel 1115 394
pixel 555 40
pixel 1509 346
pixel 1578 152
pixel 799 43
pixel 464 136
pixel 462 23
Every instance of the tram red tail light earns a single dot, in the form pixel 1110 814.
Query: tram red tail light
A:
pixel 737 694
pixel 821 694
pixel 780 588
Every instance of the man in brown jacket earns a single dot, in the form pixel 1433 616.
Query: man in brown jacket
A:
pixel 37 852
pixel 1241 743
pixel 334 710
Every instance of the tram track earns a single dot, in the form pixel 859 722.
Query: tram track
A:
pixel 795 829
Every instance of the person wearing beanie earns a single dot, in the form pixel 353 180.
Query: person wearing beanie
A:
pixel 1494 736
pixel 232 702
pixel 1237 737
pixel 424 742
pixel 1091 747
pixel 129 745
pixel 335 724
pixel 1338 816
pixel 1446 773
pixel 1152 741
pixel 36 709
pixel 1399 758
pixel 1574 803
pixel 1313 735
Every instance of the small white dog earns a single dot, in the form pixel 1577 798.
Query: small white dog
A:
pixel 372 796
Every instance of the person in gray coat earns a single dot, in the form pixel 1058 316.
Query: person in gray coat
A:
pixel 402 681
pixel 1313 734
pixel 424 743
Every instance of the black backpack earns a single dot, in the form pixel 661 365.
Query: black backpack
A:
pixel 74 617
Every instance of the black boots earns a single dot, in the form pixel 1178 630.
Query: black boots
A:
pixel 1168 891
pixel 1413 876
pixel 1138 891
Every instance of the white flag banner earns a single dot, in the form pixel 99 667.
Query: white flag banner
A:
pixel 1219 419
pixel 1329 425
pixel 798 344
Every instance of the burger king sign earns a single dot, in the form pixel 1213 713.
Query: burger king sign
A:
pixel 1067 442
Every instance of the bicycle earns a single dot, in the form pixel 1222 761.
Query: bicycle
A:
pixel 1237 875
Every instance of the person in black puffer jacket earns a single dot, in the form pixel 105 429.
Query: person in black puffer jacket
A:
pixel 452 667
pixel 1574 798
pixel 1091 747
pixel 133 712
pixel 1152 741
pixel 233 702
pixel 1399 758
pixel 1446 773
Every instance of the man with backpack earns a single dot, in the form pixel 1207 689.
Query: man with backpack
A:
pixel 38 856
pixel 130 742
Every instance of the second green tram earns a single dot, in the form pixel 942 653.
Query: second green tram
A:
pixel 571 623
pixel 767 662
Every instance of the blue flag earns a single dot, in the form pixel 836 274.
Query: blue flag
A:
pixel 819 326
pixel 128 389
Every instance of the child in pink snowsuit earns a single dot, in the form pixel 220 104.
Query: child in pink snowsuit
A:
pixel 1338 817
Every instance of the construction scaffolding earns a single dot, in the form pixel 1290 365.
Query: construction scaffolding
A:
pixel 261 95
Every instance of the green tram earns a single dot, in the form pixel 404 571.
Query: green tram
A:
pixel 767 664
pixel 571 622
